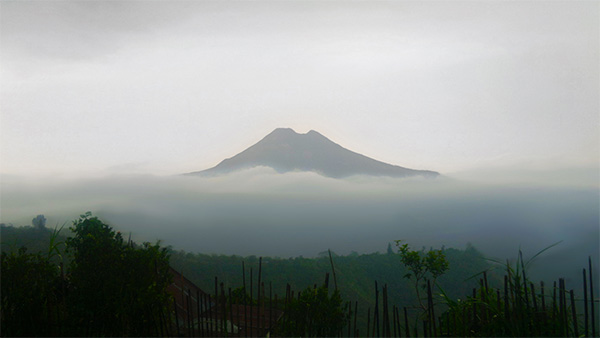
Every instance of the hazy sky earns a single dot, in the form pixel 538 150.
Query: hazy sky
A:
pixel 169 87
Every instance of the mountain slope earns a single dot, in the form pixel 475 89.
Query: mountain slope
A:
pixel 285 150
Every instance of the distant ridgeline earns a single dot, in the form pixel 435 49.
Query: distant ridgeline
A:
pixel 219 295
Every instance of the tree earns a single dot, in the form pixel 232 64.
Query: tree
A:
pixel 28 293
pixel 389 249
pixel 422 265
pixel 39 222
pixel 118 289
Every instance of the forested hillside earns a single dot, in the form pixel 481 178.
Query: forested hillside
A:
pixel 355 273
pixel 470 296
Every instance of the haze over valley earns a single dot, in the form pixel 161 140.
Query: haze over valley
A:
pixel 286 128
pixel 260 210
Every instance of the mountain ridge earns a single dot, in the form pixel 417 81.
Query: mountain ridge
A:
pixel 286 150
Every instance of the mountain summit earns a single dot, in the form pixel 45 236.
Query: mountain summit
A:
pixel 285 150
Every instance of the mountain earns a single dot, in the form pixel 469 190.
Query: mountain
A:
pixel 285 150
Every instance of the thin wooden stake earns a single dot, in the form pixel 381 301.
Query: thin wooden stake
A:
pixel 544 329
pixel 355 315
pixel 376 313
pixel 406 327
pixel 592 297
pixel 245 300
pixel 251 306
pixel 574 313
pixel 386 317
pixel 585 303
pixel 394 320
pixel 368 322
pixel 230 310
pixel 333 269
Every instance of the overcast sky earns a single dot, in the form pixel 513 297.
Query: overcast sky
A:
pixel 170 87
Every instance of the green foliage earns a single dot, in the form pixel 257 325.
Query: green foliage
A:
pixel 37 240
pixel 240 296
pixel 315 314
pixel 111 289
pixel 118 289
pixel 520 309
pixel 29 291
pixel 422 265
pixel 39 222
pixel 355 274
pixel 433 263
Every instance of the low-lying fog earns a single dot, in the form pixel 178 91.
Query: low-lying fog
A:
pixel 258 212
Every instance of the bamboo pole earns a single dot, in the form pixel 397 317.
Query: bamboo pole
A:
pixel 474 310
pixel 535 309
pixel 406 327
pixel 544 314
pixel 176 319
pixel 592 297
pixel 561 285
pixel 433 328
pixel 574 313
pixel 355 315
pixel 368 321
pixel 585 304
pixel 263 316
pixel 245 301
pixel 251 305
pixel 199 310
pixel 230 311
pixel 376 313
pixel 506 299
pixel 349 318
pixel 554 310
pixel 189 315
pixel 386 318
pixel 270 306
pixel 333 270
pixel 398 321
pixel 394 320
pixel 258 298
pixel 223 310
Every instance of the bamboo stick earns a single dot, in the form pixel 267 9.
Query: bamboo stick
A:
pixel 592 297
pixel 506 299
pixel 189 315
pixel 376 313
pixel 333 269
pixel 386 318
pixel 398 321
pixel 200 328
pixel 355 315
pixel 245 300
pixel 535 309
pixel 544 314
pixel 349 318
pixel 230 310
pixel 270 306
pixel 251 305
pixel 574 313
pixel 561 285
pixel 433 329
pixel 368 321
pixel 585 304
pixel 394 320
pixel 406 327
pixel 176 319
pixel 554 310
